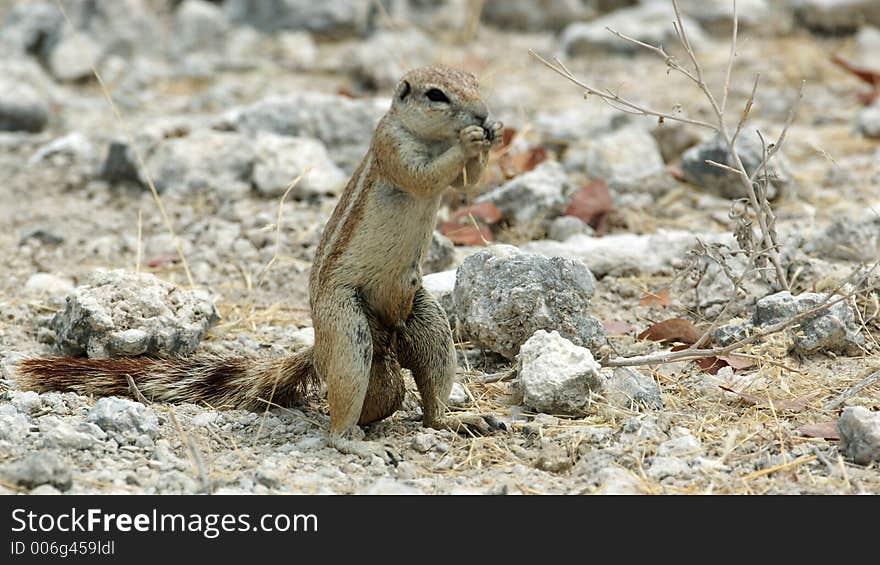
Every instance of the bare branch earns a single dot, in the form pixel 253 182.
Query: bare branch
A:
pixel 633 107
pixel 746 110
pixel 658 49
pixel 730 59
pixel 792 112
pixel 723 166
pixel 692 354
pixel 852 391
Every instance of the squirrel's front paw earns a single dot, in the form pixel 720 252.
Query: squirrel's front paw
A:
pixel 473 140
pixel 493 132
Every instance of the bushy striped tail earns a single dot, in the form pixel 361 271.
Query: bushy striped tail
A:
pixel 220 382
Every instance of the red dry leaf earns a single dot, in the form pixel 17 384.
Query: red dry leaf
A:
pixel 617 328
pixel 710 365
pixel 163 260
pixel 591 203
pixel 661 299
pixel 676 172
pixel 516 163
pixel 486 212
pixel 792 405
pixel 825 430
pixel 506 137
pixel 866 75
pixel 675 329
pixel 466 234
pixel 737 361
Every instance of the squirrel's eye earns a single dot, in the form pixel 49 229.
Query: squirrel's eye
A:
pixel 436 95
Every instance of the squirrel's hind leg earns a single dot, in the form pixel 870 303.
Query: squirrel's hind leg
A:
pixel 426 348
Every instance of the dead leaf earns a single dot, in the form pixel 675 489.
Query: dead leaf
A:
pixel 516 163
pixel 506 137
pixel 661 299
pixel 710 365
pixel 162 261
pixel 487 212
pixel 591 203
pixel 825 430
pixel 676 172
pixel 675 329
pixel 791 405
pixel 617 328
pixel 466 233
pixel 866 75
pixel 737 361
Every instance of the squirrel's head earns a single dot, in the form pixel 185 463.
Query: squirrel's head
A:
pixel 436 102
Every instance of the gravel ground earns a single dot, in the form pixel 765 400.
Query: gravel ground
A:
pixel 222 109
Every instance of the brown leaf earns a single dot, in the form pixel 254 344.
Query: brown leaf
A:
pixel 617 328
pixel 516 163
pixel 506 137
pixel 661 299
pixel 675 329
pixel 466 234
pixel 484 211
pixel 825 430
pixel 710 365
pixel 866 75
pixel 591 203
pixel 162 261
pixel 792 405
pixel 737 361
pixel 675 171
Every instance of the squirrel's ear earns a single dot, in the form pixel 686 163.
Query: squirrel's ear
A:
pixel 403 90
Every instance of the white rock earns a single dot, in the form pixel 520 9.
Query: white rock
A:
pixel 502 296
pixel 124 313
pixel 623 254
pixel 869 121
pixel 281 159
pixel 14 426
pixel 441 285
pixel 333 18
pixel 459 396
pixel 72 57
pixel 532 196
pixel 204 162
pixel 527 15
pixel 664 467
pixel 629 388
pixel 304 337
pixel 556 375
pixel 650 23
pixel 622 158
pixel 859 430
pixel 614 480
pixel 199 25
pixel 74 145
pixel 44 284
pixel 680 446
pixel 204 419
pixel 344 125
pixel 123 419
pixel 389 486
pixel 26 402
pixel 836 16
pixel 297 49
pixel 563 227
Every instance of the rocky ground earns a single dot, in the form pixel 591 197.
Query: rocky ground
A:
pixel 602 224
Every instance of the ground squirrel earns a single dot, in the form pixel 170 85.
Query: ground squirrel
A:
pixel 370 312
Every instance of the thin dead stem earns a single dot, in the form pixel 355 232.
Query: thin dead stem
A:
pixel 758 202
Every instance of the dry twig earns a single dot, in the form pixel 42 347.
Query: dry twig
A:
pixel 756 198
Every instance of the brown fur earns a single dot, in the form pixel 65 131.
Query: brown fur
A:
pixel 369 310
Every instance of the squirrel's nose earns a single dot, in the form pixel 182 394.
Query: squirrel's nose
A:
pixel 481 112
